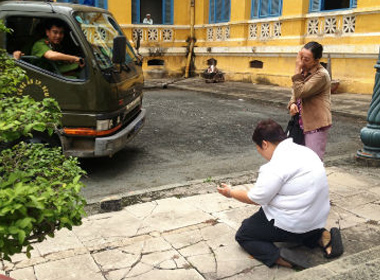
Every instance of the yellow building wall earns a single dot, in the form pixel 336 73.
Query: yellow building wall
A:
pixel 202 11
pixel 295 7
pixel 240 10
pixel 182 12
pixel 122 10
pixel 241 40
pixel 368 4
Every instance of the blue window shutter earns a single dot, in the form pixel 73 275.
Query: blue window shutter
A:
pixel 135 12
pixel 101 4
pixel 264 8
pixel 254 8
pixel 315 5
pixel 227 10
pixel 212 11
pixel 219 10
pixel 354 3
pixel 167 11
pixel 275 7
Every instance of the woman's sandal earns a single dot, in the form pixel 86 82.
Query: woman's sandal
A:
pixel 335 243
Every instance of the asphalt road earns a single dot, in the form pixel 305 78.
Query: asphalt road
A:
pixel 189 136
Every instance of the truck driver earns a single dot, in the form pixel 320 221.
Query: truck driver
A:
pixel 51 49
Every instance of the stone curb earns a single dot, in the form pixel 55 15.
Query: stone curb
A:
pixel 363 265
pixel 189 188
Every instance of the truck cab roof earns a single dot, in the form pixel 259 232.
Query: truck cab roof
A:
pixel 48 7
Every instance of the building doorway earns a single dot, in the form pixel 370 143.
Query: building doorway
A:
pixel 161 11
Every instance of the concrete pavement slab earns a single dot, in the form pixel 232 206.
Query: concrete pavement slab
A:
pixel 338 177
pixel 365 271
pixel 184 238
pixel 141 210
pixel 155 245
pixel 205 264
pixel 211 203
pixel 116 274
pixel 20 258
pixel 232 260
pixel 102 228
pixel 218 235
pixel 362 265
pixel 179 274
pixel 168 260
pixel 172 213
pixel 360 238
pixel 375 190
pixel 357 200
pixel 77 267
pixel 23 263
pixel 342 218
pixel 200 248
pixel 263 273
pixel 160 259
pixel 115 259
pixel 139 269
pixel 369 211
pixel 235 216
pixel 63 240
pixel 24 273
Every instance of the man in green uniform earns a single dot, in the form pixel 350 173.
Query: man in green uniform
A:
pixel 51 49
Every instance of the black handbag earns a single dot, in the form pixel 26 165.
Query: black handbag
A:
pixel 294 130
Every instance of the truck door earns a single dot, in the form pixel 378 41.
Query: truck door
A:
pixel 49 78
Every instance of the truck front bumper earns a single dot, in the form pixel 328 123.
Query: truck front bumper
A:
pixel 104 146
pixel 107 146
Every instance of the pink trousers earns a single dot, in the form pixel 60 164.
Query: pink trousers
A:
pixel 317 142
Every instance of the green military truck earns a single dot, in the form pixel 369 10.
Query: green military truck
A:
pixel 102 103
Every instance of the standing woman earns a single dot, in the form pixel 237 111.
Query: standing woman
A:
pixel 311 97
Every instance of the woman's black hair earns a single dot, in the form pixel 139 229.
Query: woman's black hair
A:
pixel 315 48
pixel 268 130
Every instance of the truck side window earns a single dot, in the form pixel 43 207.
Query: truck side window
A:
pixel 36 36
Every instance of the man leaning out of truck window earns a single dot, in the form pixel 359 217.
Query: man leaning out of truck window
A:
pixel 51 49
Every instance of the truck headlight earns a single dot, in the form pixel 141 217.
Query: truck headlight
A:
pixel 103 125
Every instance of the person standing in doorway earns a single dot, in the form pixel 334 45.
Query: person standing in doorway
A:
pixel 311 97
pixel 148 19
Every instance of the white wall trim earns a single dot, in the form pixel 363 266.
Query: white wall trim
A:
pixel 157 26
pixel 336 51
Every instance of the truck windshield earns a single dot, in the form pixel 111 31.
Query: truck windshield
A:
pixel 100 29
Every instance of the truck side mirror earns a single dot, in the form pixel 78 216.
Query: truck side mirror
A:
pixel 119 49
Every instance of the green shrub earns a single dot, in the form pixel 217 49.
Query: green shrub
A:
pixel 39 187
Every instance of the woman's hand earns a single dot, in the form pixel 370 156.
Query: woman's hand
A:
pixel 225 190
pixel 293 109
pixel 299 64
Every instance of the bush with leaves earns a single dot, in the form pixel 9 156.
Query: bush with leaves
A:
pixel 39 187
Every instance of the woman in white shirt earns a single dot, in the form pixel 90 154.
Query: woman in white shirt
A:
pixel 292 191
